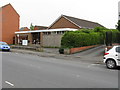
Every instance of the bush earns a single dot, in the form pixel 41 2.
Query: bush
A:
pixel 73 39
pixel 99 29
pixel 87 37
pixel 61 50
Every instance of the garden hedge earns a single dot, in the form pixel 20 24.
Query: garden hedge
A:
pixel 87 37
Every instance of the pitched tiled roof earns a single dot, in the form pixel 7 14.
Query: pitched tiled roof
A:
pixel 24 29
pixel 40 27
pixel 82 23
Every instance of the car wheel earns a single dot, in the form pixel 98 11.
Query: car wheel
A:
pixel 111 64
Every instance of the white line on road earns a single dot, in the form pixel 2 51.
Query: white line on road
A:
pixel 9 83
pixel 92 65
pixel 78 76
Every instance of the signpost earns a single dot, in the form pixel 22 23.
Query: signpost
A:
pixel 25 42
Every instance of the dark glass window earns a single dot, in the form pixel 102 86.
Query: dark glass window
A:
pixel 118 49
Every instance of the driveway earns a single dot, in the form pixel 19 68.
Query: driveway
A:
pixel 94 52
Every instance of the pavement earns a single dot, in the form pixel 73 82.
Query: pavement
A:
pixel 94 55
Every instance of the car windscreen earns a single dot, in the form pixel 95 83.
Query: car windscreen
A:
pixel 3 43
pixel 118 49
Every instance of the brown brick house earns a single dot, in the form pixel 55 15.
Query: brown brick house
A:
pixel 40 27
pixel 51 36
pixel 9 23
pixel 24 29
pixel 71 22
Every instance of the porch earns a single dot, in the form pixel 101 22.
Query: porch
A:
pixel 33 39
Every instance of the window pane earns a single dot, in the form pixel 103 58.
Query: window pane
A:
pixel 118 49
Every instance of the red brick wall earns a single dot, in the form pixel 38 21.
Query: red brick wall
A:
pixel 63 23
pixel 75 50
pixel 10 23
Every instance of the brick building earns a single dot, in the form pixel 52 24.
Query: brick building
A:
pixel 40 27
pixel 51 36
pixel 24 29
pixel 71 22
pixel 9 23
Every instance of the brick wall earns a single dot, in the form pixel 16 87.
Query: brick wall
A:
pixel 75 50
pixel 63 23
pixel 10 23
pixel 53 40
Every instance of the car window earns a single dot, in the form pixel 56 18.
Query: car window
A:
pixel 3 43
pixel 118 49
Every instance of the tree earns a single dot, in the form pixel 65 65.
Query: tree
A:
pixel 118 25
pixel 31 27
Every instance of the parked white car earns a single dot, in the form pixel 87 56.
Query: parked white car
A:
pixel 112 57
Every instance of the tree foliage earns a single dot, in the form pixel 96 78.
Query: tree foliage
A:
pixel 31 27
pixel 118 25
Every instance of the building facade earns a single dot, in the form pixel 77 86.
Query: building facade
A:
pixel 51 36
pixel 9 23
pixel 71 22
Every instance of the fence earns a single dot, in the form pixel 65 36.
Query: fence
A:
pixel 112 37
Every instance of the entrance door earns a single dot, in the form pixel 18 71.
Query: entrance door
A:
pixel 36 38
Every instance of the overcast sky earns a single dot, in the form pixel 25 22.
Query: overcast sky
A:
pixel 45 12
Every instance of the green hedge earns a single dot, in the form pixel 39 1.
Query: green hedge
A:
pixel 73 39
pixel 87 37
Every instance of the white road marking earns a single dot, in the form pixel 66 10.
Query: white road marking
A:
pixel 92 65
pixel 77 76
pixel 9 83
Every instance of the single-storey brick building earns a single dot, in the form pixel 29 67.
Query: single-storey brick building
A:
pixel 24 29
pixel 40 27
pixel 9 23
pixel 51 36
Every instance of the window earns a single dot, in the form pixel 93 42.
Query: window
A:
pixel 47 33
pixel 118 49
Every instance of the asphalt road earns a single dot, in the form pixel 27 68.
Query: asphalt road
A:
pixel 30 71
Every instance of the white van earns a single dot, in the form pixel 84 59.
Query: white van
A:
pixel 112 57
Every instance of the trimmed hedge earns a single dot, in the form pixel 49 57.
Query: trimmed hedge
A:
pixel 87 37
pixel 73 39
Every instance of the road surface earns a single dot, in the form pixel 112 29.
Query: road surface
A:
pixel 30 71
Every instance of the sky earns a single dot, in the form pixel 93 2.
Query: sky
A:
pixel 45 12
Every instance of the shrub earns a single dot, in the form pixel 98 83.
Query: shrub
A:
pixel 61 50
pixel 99 29
pixel 87 37
pixel 73 39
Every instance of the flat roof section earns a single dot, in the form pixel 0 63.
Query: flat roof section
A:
pixel 47 30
